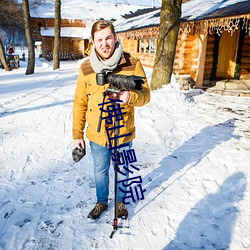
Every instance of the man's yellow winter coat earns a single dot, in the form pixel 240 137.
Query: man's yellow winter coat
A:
pixel 89 95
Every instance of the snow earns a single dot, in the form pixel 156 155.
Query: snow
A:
pixel 192 149
pixel 155 3
pixel 197 9
pixel 84 33
pixel 86 10
pixel 145 20
pixel 192 10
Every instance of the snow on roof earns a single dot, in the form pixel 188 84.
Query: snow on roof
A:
pixel 197 9
pixel 192 10
pixel 145 20
pixel 79 32
pixel 85 10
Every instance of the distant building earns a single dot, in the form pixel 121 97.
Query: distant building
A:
pixel 75 36
pixel 77 19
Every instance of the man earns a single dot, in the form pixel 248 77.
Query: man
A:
pixel 107 54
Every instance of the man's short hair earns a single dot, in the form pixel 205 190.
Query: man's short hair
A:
pixel 101 24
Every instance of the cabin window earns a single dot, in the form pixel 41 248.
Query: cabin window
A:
pixel 146 45
pixel 152 45
pixel 140 45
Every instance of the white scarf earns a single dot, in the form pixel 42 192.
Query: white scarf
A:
pixel 98 64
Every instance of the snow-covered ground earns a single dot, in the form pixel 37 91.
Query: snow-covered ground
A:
pixel 193 152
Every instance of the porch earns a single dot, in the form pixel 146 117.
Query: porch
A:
pixel 231 87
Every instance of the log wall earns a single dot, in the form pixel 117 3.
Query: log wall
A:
pixel 209 57
pixel 50 22
pixel 245 60
pixel 186 56
pixel 131 46
pixel 73 45
pixel 178 61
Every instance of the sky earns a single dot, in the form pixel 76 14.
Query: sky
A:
pixel 192 150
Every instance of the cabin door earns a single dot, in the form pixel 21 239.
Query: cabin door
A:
pixel 227 55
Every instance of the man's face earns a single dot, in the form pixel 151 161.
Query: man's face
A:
pixel 104 42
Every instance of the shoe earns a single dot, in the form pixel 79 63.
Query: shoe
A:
pixel 122 211
pixel 97 210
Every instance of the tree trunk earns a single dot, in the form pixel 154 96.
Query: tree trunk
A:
pixel 56 59
pixel 29 38
pixel 168 34
pixel 3 57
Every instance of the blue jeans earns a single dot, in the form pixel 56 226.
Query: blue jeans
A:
pixel 102 158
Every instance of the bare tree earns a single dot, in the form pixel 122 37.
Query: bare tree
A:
pixel 11 16
pixel 56 59
pixel 11 24
pixel 28 33
pixel 3 57
pixel 36 3
pixel 168 34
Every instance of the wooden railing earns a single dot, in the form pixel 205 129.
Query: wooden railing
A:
pixel 64 55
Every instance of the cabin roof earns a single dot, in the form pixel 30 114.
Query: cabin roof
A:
pixel 140 21
pixel 193 10
pixel 208 9
pixel 77 32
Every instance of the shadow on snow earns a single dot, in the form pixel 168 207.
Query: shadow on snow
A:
pixel 22 110
pixel 190 153
pixel 209 225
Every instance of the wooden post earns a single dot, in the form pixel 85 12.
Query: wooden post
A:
pixel 144 45
pixel 201 60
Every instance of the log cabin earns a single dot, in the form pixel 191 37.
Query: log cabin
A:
pixel 74 37
pixel 213 41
